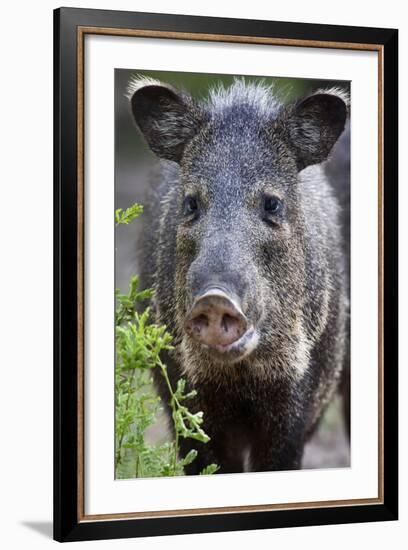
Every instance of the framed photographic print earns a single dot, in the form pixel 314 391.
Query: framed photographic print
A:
pixel 225 274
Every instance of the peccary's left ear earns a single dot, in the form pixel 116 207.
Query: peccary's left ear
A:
pixel 167 118
pixel 313 125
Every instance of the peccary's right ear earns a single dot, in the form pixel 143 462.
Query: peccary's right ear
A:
pixel 314 124
pixel 167 118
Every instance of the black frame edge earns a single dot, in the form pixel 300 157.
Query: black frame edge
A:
pixel 390 262
pixel 57 473
pixel 226 26
pixel 65 277
pixel 110 529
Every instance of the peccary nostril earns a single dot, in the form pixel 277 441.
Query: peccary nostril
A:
pixel 198 324
pixel 215 320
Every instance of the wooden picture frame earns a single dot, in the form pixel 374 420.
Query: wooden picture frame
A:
pixel 71 26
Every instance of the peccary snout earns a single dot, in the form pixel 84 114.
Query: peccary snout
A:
pixel 216 320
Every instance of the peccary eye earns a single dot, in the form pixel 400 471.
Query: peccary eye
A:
pixel 272 205
pixel 190 207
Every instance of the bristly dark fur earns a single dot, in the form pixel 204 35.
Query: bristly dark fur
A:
pixel 290 273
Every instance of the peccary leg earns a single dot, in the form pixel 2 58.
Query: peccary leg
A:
pixel 278 429
pixel 277 449
pixel 227 448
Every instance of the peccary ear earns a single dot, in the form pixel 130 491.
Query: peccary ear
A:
pixel 167 118
pixel 314 124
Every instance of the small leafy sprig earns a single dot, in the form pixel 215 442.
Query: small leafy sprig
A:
pixel 127 303
pixel 128 215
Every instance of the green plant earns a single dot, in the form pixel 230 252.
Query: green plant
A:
pixel 139 343
pixel 128 215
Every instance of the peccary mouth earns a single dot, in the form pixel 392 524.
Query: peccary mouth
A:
pixel 242 347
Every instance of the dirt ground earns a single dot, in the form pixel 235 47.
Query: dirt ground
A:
pixel 329 447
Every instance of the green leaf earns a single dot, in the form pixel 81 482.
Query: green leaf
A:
pixel 190 457
pixel 127 216
pixel 209 470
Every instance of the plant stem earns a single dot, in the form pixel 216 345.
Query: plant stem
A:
pixel 137 465
pixel 176 442
pixel 173 403
pixel 122 435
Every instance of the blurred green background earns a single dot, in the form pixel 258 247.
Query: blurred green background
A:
pixel 133 163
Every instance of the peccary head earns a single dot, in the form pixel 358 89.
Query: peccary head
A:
pixel 241 265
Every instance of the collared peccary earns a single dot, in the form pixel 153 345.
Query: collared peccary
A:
pixel 244 247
